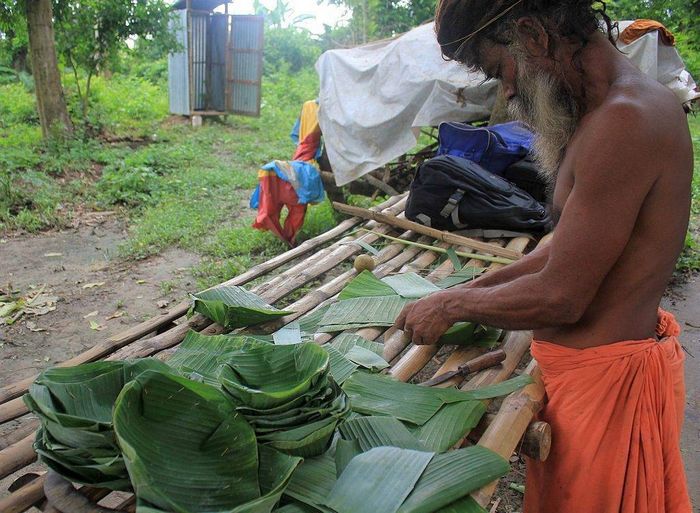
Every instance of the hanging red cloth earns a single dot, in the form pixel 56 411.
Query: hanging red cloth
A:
pixel 275 194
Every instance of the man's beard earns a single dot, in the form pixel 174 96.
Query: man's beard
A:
pixel 544 103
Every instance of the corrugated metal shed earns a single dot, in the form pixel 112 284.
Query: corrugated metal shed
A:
pixel 219 69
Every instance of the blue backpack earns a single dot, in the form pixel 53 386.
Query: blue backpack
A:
pixel 494 148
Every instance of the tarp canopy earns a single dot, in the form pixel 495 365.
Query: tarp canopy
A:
pixel 375 98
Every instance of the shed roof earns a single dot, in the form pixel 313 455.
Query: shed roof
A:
pixel 200 5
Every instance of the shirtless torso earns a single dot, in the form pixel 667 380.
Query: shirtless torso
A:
pixel 623 199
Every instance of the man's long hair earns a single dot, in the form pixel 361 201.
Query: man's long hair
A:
pixel 463 25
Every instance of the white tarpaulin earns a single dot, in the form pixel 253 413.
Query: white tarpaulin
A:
pixel 375 98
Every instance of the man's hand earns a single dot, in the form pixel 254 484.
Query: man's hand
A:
pixel 426 320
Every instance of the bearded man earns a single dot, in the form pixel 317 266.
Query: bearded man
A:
pixel 617 149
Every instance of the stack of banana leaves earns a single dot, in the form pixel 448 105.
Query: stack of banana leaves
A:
pixel 244 423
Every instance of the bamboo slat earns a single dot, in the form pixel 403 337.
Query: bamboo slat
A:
pixel 16 456
pixel 27 427
pixel 24 498
pixel 405 224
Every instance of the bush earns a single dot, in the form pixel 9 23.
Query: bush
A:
pixel 289 49
pixel 17 105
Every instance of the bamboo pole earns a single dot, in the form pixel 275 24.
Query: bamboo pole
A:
pixel 405 224
pixel 12 409
pixel 17 434
pixel 485 258
pixel 18 455
pixel 513 418
pixel 417 357
pixel 13 390
pixel 535 443
pixel 24 498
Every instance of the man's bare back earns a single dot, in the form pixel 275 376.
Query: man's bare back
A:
pixel 623 199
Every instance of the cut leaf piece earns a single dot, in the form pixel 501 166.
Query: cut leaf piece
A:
pixel 289 334
pixel 461 333
pixel 185 446
pixel 341 368
pixel 309 322
pixel 365 284
pixel 449 425
pixel 346 341
pixel 450 395
pixel 411 285
pixel 373 394
pixel 366 358
pixel 313 481
pixel 453 475
pixel 378 480
pixel 234 307
pixel 454 258
pixel 370 432
pixel 362 312
pixel 464 275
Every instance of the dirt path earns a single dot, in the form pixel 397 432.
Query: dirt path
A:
pixel 78 267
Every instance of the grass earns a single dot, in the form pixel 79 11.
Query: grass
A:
pixel 177 187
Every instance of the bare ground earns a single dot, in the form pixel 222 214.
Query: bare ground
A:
pixel 66 262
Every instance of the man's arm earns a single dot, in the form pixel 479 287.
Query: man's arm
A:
pixel 531 263
pixel 616 167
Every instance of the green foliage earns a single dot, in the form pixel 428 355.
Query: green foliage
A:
pixel 289 49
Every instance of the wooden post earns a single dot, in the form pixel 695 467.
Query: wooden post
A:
pixel 24 498
pixel 516 413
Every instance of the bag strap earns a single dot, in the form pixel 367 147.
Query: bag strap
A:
pixel 452 203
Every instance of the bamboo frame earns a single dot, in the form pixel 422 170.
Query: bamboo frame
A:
pixel 328 250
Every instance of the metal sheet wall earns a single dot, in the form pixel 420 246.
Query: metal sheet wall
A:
pixel 218 37
pixel 178 69
pixel 247 39
pixel 199 24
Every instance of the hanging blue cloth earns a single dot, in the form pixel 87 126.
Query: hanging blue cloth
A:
pixel 303 176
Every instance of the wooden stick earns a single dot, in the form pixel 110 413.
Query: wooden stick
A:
pixel 118 341
pixel 16 456
pixel 515 414
pixel 405 224
pixel 64 497
pixel 24 498
pixel 485 258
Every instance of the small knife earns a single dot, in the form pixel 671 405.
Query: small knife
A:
pixel 479 363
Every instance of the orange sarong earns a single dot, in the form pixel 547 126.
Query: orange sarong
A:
pixel 616 413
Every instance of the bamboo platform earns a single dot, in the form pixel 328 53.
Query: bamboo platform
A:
pixel 505 431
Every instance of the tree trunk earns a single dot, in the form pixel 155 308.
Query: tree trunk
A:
pixel 50 101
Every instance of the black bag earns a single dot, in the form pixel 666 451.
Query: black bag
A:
pixel 526 175
pixel 451 193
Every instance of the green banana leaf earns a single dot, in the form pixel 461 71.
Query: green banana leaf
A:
pixel 264 375
pixel 274 473
pixel 198 356
pixel 295 508
pixel 365 284
pixel 449 425
pixel 185 446
pixel 370 432
pixel 309 323
pixel 346 341
pixel 373 394
pixel 341 368
pixel 74 406
pixel 234 307
pixel 378 480
pixel 453 475
pixel 464 505
pixel 411 285
pixel 362 312
pixel 366 358
pixel 289 334
pixel 313 481
pixel 464 275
